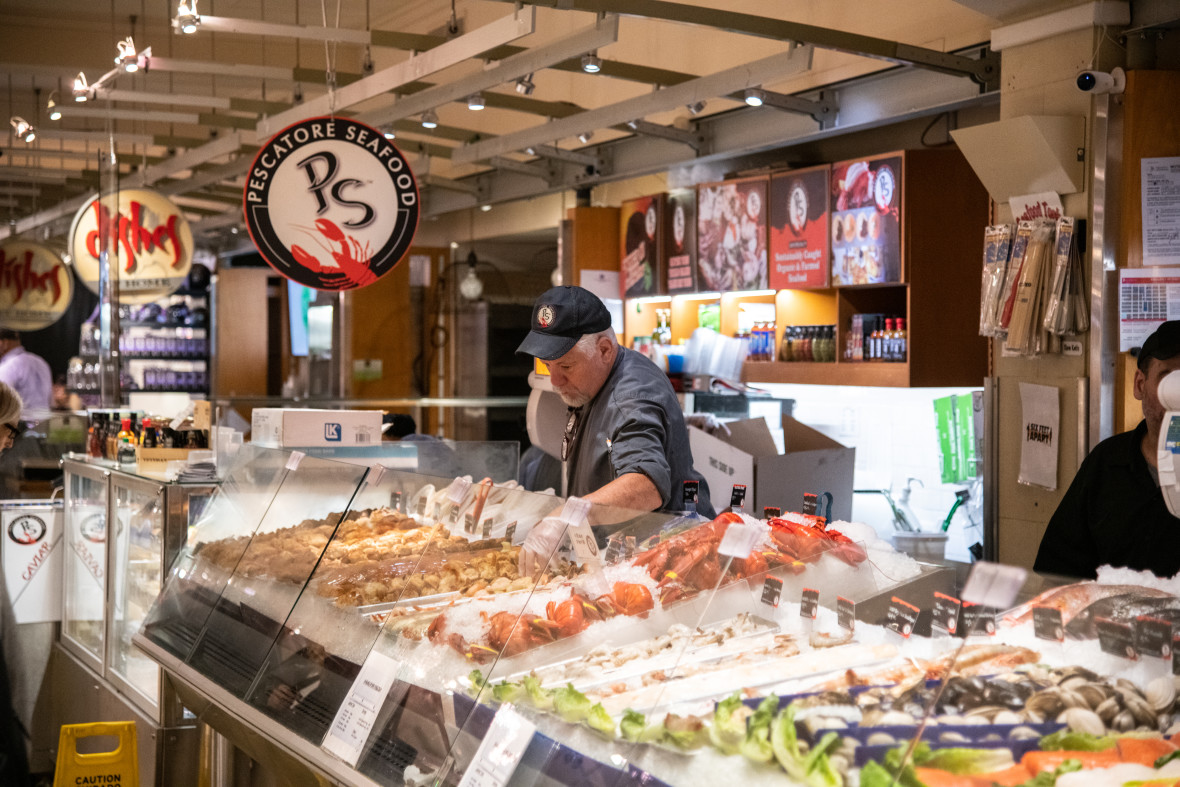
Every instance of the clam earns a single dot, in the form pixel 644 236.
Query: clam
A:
pixel 839 763
pixel 1124 721
pixel 1007 717
pixel 1093 693
pixel 1082 720
pixel 1070 673
pixel 1161 693
pixel 1140 709
pixel 1023 733
pixel 953 737
pixel 896 717
pixel 1108 709
pixel 880 739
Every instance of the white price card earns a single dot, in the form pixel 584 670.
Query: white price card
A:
pixel 458 490
pixel 500 751
pixel 584 543
pixel 739 540
pixel 294 459
pixel 354 721
pixel 376 473
pixel 993 585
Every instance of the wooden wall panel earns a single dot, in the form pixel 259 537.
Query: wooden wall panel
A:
pixel 1151 129
pixel 239 358
pixel 382 330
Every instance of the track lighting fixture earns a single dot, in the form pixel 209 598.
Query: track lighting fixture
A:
pixel 187 19
pixel 632 124
pixel 126 56
pixel 585 137
pixel 81 88
pixel 475 102
pixel 696 107
pixel 591 63
pixel 525 86
pixel 429 119
pixel 23 128
pixel 52 108
pixel 754 97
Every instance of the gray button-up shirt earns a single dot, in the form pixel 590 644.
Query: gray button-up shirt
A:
pixel 634 425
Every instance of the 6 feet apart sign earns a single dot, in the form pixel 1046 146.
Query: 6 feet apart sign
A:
pixel 331 203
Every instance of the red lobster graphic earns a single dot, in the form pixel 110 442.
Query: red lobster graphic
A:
pixel 352 259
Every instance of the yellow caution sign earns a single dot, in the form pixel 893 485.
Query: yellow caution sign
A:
pixel 118 768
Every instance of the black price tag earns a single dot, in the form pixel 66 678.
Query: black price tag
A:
pixel 770 512
pixel 978 620
pixel 454 515
pixel 1153 637
pixel 901 617
pixel 1176 654
pixel 690 492
pixel 487 527
pixel 810 505
pixel 772 590
pixel 1048 624
pixel 946 613
pixel 469 524
pixel 809 604
pixel 1117 639
pixel 510 531
pixel 737 498
pixel 845 613
pixel 396 501
pixel 437 512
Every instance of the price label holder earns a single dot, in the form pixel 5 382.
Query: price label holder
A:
pixel 770 512
pixel 500 751
pixel 1153 643
pixel 993 585
pixel 355 719
pixel 1117 639
pixel 294 459
pixel 810 505
pixel 510 532
pixel 458 490
pixel 453 514
pixel 437 514
pixel 689 498
pixel 845 613
pixel 737 498
pixel 739 540
pixel 1176 653
pixel 469 524
pixel 1048 625
pixel 808 609
pixel 395 501
pixel 901 617
pixel 978 619
pixel 581 536
pixel 376 473
pixel 945 618
pixel 772 591
pixel 486 527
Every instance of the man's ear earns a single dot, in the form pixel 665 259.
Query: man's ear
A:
pixel 1140 384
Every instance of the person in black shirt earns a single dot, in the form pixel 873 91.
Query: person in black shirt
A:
pixel 1114 512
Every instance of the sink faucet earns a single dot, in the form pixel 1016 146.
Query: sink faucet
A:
pixel 903 516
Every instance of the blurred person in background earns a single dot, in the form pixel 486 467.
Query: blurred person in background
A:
pixel 27 374
pixel 14 761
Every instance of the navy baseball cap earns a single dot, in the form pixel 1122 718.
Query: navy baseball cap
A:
pixel 561 316
pixel 1163 344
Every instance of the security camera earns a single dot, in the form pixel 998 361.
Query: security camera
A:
pixel 1102 82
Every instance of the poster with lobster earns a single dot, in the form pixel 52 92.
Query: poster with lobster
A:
pixel 731 235
pixel 799 228
pixel 866 220
pixel 640 230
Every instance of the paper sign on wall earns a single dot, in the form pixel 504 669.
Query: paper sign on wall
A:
pixel 1160 197
pixel 1147 297
pixel 1041 432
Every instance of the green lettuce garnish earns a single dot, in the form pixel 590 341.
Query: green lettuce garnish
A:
pixel 572 705
pixel 476 678
pixel 632 725
pixel 1071 740
pixel 756 745
pixel 600 721
pixel 541 698
pixel 729 724
pixel 507 692
pixel 965 762
pixel 684 732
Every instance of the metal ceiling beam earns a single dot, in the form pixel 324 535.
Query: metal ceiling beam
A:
pixel 206 178
pixel 137 97
pixel 101 137
pixel 822 111
pixel 694 141
pixel 434 181
pixel 700 89
pixel 219 69
pixel 985 71
pixel 20 191
pixel 30 175
pixel 603 32
pixel 572 156
pixel 532 170
pixel 218 148
pixel 508 28
pixel 250 27
pixel 191 118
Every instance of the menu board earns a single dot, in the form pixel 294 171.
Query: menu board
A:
pixel 866 226
pixel 799 228
pixel 639 234
pixel 680 240
pixel 731 235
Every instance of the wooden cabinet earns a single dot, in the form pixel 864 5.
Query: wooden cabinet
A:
pixel 944 209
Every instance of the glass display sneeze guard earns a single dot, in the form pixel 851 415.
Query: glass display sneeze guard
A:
pixel 86 566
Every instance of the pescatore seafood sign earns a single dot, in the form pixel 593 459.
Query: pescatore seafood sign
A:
pixel 331 203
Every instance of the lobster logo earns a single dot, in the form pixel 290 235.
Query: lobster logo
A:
pixel 331 204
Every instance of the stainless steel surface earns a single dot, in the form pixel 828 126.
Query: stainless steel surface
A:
pixel 216 759
pixel 1106 149
pixel 991 467
pixel 98 477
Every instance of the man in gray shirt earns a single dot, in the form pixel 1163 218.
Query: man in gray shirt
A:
pixel 625 442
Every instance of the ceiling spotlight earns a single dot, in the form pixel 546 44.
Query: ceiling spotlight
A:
pixel 429 119
pixel 471 287
pixel 52 107
pixel 81 88
pixel 585 137
pixel 531 150
pixel 390 135
pixel 485 207
pixel 754 97
pixel 475 102
pixel 23 128
pixel 696 107
pixel 187 19
pixel 525 86
pixel 632 124
pixel 127 57
pixel 591 63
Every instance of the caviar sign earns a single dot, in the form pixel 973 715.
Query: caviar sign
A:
pixel 331 203
pixel 35 286
pixel 150 240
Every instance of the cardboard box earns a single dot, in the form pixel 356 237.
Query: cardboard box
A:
pixel 813 462
pixel 276 427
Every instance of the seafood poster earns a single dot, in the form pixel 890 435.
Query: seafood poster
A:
pixel 639 234
pixel 866 226
pixel 799 229
pixel 731 235
pixel 680 240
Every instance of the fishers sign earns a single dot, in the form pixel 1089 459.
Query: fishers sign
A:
pixel 36 287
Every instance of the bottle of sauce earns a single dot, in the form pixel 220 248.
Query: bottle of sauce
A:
pixel 901 339
pixel 125 452
pixel 147 436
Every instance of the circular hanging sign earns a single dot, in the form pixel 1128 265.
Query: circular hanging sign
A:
pixel 331 203
pixel 151 239
pixel 36 287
